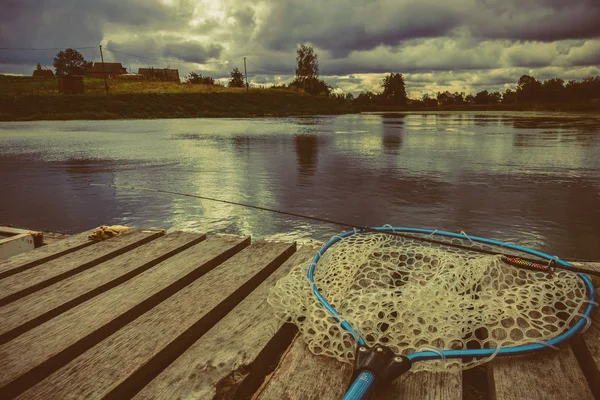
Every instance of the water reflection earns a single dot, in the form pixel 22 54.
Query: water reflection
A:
pixel 392 132
pixel 307 155
pixel 524 177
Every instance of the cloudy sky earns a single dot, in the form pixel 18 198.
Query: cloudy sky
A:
pixel 456 45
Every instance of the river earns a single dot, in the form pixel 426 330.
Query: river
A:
pixel 526 178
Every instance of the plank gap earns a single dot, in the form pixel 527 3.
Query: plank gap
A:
pixel 19 330
pixel 263 366
pixel 44 258
pixel 586 362
pixel 62 358
pixel 57 278
pixel 144 375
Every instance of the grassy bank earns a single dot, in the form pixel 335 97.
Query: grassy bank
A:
pixel 165 105
pixel 28 99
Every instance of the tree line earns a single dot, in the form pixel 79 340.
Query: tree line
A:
pixel 528 89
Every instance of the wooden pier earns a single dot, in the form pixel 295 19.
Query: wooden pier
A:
pixel 149 315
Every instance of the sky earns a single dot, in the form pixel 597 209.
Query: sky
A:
pixel 455 45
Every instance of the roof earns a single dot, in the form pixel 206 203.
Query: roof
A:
pixel 111 68
pixel 160 73
pixel 43 73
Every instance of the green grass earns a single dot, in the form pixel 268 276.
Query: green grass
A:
pixel 27 98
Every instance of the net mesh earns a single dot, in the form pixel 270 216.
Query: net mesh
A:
pixel 414 296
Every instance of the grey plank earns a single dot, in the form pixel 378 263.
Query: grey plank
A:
pixel 44 254
pixel 217 364
pixel 39 307
pixel 43 275
pixel 39 352
pixel 545 375
pixel 302 375
pixel 126 358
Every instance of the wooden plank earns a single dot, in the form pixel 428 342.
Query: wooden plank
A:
pixel 137 352
pixel 545 375
pixel 594 266
pixel 587 350
pixel 33 279
pixel 222 360
pixel 44 254
pixel 45 304
pixel 302 375
pixel 39 352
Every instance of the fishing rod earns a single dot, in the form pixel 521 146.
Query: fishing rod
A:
pixel 509 258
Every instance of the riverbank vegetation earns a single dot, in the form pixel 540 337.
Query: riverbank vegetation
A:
pixel 166 105
pixel 31 98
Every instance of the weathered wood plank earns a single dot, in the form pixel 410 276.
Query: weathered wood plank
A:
pixel 44 254
pixel 302 375
pixel 33 279
pixel 587 350
pixel 47 303
pixel 160 335
pixel 545 375
pixel 424 386
pixel 39 352
pixel 219 363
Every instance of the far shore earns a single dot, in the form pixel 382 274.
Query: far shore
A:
pixel 221 105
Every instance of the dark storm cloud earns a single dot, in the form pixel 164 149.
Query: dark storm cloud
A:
pixel 161 47
pixel 72 23
pixel 342 27
pixel 536 20
pixel 457 44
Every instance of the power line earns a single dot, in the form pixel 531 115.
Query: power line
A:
pixel 155 59
pixel 40 49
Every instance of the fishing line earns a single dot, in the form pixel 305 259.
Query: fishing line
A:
pixel 534 264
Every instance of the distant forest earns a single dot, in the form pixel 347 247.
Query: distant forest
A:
pixel 528 90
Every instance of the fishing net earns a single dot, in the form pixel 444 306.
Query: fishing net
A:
pixel 414 296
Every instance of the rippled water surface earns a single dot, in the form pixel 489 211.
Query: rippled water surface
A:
pixel 528 178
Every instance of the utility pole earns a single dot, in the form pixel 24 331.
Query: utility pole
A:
pixel 103 73
pixel 246 74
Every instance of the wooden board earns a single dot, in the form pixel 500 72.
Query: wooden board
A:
pixel 45 304
pixel 33 279
pixel 302 375
pixel 37 353
pixel 544 375
pixel 44 254
pixel 219 363
pixel 587 350
pixel 156 337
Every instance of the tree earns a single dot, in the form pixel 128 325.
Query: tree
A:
pixel 553 89
pixel 509 97
pixel 470 99
pixel 70 62
pixel 308 65
pixel 429 101
pixel 529 89
pixel 237 78
pixel 198 79
pixel 482 97
pixel 394 91
pixel 494 98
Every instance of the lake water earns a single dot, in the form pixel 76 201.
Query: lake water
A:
pixel 527 178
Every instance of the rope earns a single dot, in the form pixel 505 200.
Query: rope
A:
pixel 354 227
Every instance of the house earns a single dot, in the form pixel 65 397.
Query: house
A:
pixel 111 70
pixel 43 73
pixel 159 74
pixel 446 98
